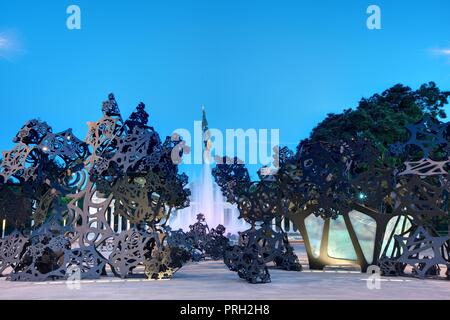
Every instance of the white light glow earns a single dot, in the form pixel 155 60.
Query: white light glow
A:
pixel 10 45
pixel 441 52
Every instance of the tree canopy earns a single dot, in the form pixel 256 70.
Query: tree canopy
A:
pixel 382 117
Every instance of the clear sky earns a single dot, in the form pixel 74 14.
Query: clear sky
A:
pixel 252 63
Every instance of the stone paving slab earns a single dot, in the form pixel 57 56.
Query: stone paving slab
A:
pixel 211 280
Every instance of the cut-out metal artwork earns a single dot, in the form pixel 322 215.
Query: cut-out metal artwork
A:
pixel 130 249
pixel 199 242
pixel 248 263
pixel 87 260
pixel 65 197
pixel 198 233
pixel 272 245
pixel 390 267
pixel 428 135
pixel 349 181
pixel 165 262
pixel 216 243
pixel 425 167
pixel 425 253
pixel 258 202
pixel 43 259
pixel 63 191
pixel 11 251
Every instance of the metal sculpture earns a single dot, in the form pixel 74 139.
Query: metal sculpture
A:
pixel 67 188
pixel 11 251
pixel 59 192
pixel 417 248
pixel 130 249
pixel 273 246
pixel 429 135
pixel 378 188
pixel 200 242
pixel 344 182
pixel 165 262
pixel 248 263
pixel 423 252
pixel 259 202
pixel 216 243
pixel 198 233
pixel 422 192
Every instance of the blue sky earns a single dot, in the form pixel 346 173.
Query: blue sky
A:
pixel 253 64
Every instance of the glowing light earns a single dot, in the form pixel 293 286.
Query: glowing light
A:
pixel 3 42
pixel 10 45
pixel 441 52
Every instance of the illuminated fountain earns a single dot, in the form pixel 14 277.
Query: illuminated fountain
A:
pixel 207 198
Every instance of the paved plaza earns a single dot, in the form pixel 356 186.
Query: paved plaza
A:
pixel 211 280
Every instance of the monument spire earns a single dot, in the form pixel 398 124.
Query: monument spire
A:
pixel 207 143
pixel 204 120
